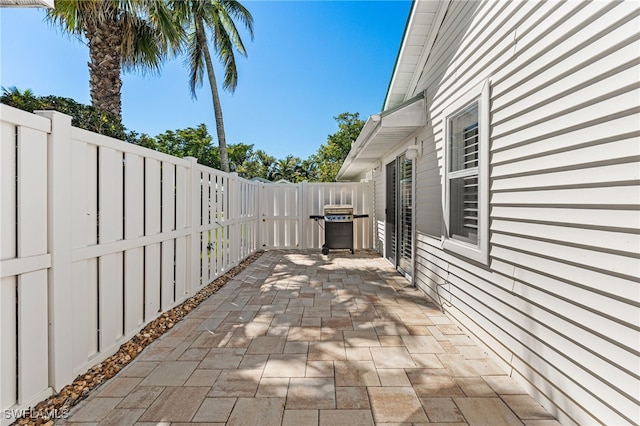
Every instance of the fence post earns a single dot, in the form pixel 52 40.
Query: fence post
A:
pixel 59 245
pixel 235 211
pixel 193 218
pixel 261 224
pixel 304 188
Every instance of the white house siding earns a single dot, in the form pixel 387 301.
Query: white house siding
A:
pixel 559 301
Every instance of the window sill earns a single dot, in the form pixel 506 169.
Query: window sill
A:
pixel 467 250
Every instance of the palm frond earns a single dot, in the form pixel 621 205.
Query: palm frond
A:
pixel 240 13
pixel 195 59
pixel 68 14
pixel 229 27
pixel 143 47
pixel 161 16
pixel 219 16
pixel 224 49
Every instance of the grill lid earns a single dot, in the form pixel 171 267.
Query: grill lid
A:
pixel 338 209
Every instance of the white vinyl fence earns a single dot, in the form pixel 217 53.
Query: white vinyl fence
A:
pixel 99 236
pixel 285 211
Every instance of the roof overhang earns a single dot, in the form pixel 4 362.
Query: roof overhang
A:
pixel 404 109
pixel 423 24
pixel 27 3
pixel 381 133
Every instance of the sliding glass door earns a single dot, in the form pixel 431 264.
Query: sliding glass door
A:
pixel 399 214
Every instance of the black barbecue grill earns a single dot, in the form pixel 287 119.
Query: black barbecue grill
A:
pixel 338 226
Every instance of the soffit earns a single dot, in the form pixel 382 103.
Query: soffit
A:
pixel 380 134
pixel 424 22
pixel 26 3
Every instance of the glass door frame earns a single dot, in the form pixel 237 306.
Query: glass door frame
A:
pixel 395 237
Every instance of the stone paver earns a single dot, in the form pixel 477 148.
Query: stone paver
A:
pixel 257 411
pixel 170 373
pixel 236 383
pixel 141 397
pixel 122 417
pixel 345 417
pixel 486 411
pixel 300 418
pixel 222 358
pixel 392 357
pixel 352 398
pixel 95 409
pixel 356 373
pixel 396 405
pixel 311 393
pixel 526 407
pixel 175 404
pixel 298 338
pixel 119 387
pixel 441 410
pixel 215 410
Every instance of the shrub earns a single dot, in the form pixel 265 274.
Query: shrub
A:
pixel 83 116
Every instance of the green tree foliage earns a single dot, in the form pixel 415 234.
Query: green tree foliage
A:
pixel 197 142
pixel 83 116
pixel 286 168
pixel 239 154
pixel 121 34
pixel 309 170
pixel 189 142
pixel 331 155
pixel 258 164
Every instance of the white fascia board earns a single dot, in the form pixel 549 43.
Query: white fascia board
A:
pixel 27 3
pixel 397 122
pixel 372 123
pixel 439 7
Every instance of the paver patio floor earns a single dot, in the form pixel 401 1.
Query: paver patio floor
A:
pixel 298 338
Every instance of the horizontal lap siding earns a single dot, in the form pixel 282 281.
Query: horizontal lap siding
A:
pixel 558 302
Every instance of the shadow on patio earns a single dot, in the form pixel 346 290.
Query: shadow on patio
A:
pixel 299 338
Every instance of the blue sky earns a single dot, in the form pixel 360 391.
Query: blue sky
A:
pixel 309 61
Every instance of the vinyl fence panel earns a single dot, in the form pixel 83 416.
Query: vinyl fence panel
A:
pixel 24 259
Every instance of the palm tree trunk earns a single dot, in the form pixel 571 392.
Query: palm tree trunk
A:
pixel 217 108
pixel 104 66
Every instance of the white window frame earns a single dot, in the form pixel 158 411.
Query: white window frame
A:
pixel 480 252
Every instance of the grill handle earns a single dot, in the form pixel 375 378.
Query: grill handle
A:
pixel 318 217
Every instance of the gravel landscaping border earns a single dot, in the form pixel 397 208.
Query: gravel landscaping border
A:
pixel 82 386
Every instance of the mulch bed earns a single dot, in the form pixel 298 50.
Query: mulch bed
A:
pixel 61 403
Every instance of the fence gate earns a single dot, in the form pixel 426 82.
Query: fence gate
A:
pixel 285 210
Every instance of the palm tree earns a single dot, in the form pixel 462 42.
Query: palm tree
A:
pixel 286 168
pixel 121 35
pixel 218 17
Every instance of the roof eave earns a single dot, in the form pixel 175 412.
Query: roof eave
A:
pixel 373 141
pixel 425 19
pixel 428 15
pixel 27 3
